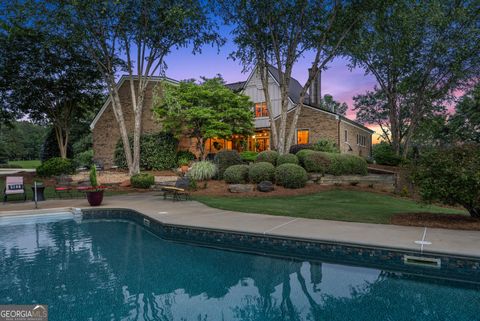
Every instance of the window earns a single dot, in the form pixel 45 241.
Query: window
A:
pixel 346 135
pixel 361 140
pixel 261 110
pixel 302 136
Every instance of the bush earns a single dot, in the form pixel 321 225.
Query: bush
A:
pixel 236 174
pixel 346 165
pixel 269 156
pixel 291 176
pixel 317 162
pixel 383 154
pixel 327 146
pixel 202 171
pixel 226 158
pixel 287 159
pixel 248 156
pixel 186 154
pixel 451 176
pixel 142 180
pixel 55 167
pixel 302 154
pixel 50 147
pixel 157 152
pixel 294 149
pixel 84 159
pixel 262 171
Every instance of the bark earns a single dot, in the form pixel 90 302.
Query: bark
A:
pixel 273 126
pixel 62 140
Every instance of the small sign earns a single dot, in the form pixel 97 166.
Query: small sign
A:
pixel 24 312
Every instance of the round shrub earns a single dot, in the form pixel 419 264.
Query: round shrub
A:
pixel 287 159
pixel 302 154
pixel 269 156
pixel 317 162
pixel 142 180
pixel 226 158
pixel 383 154
pixel 236 174
pixel 248 156
pixel 55 167
pixel 325 145
pixel 262 171
pixel 84 159
pixel 202 171
pixel 346 165
pixel 294 149
pixel 291 176
pixel 186 154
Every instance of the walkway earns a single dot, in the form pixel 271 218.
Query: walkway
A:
pixel 195 214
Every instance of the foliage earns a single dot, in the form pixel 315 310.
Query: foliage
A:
pixel 302 154
pixel 451 176
pixel 294 149
pixel 236 174
pixel 269 156
pixel 202 171
pixel 158 152
pixel 82 144
pixel 93 176
pixel 3 153
pixel 84 159
pixel 203 111
pixel 287 159
pixel 341 164
pixel 383 154
pixel 226 158
pixel 262 171
pixel 327 102
pixel 249 156
pixel 183 161
pixel 21 140
pixel 56 166
pixel 142 180
pixel 316 162
pixel 50 147
pixel 186 154
pixel 465 123
pixel 291 176
pixel 325 145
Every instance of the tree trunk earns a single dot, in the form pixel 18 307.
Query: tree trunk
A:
pixel 62 141
pixel 137 131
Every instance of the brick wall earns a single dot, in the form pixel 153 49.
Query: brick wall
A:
pixel 352 132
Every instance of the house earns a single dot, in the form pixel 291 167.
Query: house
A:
pixel 313 124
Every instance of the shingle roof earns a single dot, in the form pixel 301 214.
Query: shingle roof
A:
pixel 236 86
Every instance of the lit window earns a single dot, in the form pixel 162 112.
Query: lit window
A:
pixel 261 110
pixel 302 136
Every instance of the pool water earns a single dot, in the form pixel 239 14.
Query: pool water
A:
pixel 116 270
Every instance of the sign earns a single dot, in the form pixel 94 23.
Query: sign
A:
pixel 24 312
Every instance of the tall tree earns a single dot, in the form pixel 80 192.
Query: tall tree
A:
pixel 135 36
pixel 419 53
pixel 465 122
pixel 279 33
pixel 203 111
pixel 332 105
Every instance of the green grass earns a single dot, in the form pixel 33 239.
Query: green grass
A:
pixel 26 163
pixel 340 205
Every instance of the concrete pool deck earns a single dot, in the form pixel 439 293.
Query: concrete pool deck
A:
pixel 195 214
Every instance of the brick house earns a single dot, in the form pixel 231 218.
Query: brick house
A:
pixel 313 124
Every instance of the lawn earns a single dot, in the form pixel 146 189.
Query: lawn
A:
pixel 340 205
pixel 26 163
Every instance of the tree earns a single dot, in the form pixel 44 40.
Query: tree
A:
pixel 279 33
pixel 22 140
pixel 203 111
pixel 135 36
pixel 419 53
pixel 332 105
pixel 465 123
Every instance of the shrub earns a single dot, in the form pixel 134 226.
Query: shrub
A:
pixel 202 171
pixel 451 176
pixel 50 147
pixel 186 154
pixel 226 158
pixel 287 159
pixel 236 174
pixel 157 152
pixel 248 156
pixel 316 162
pixel 93 177
pixel 262 171
pixel 84 159
pixel 142 180
pixel 9 166
pixel 346 165
pixel 327 146
pixel 269 156
pixel 294 149
pixel 55 167
pixel 291 176
pixel 383 154
pixel 302 154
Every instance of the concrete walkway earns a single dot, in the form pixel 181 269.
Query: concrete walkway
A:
pixel 194 214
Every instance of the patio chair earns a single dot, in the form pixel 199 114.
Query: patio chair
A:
pixel 63 186
pixel 178 191
pixel 14 186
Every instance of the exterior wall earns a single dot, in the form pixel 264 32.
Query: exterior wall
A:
pixel 352 132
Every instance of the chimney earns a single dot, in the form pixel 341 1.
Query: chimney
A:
pixel 315 90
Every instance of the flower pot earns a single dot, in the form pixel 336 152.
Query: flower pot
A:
pixel 95 198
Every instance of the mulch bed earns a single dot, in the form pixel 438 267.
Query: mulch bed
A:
pixel 448 221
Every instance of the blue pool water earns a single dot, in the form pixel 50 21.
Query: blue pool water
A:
pixel 116 270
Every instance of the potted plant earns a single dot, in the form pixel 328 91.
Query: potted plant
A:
pixel 95 193
pixel 183 163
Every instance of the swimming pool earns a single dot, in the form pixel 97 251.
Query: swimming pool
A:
pixel 117 270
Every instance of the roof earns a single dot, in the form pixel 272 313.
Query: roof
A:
pixel 236 86
pixel 119 84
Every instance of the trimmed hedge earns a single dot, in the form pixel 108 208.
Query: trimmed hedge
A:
pixel 249 156
pixel 226 158
pixel 142 180
pixel 262 171
pixel 317 162
pixel 202 171
pixel 269 156
pixel 383 154
pixel 346 165
pixel 287 159
pixel 291 176
pixel 157 152
pixel 56 166
pixel 302 154
pixel 325 145
pixel 294 149
pixel 236 174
